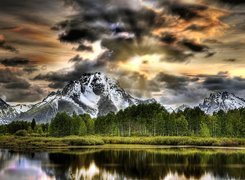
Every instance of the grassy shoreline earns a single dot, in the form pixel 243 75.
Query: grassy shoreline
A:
pixel 49 143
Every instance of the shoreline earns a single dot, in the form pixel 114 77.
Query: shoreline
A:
pixel 27 143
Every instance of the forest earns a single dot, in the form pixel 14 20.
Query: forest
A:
pixel 140 120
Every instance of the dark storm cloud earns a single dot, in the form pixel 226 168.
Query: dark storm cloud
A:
pixel 220 82
pixel 12 80
pixel 22 63
pixel 232 2
pixel 91 24
pixel 168 38
pixel 127 29
pixel 192 89
pixel 124 25
pixel 177 89
pixel 21 84
pixel 59 78
pixel 186 11
pixel 76 35
pixel 224 84
pixel 171 88
pixel 9 76
pixel 15 61
pixel 172 81
pixel 31 11
pixel 5 46
pixel 192 95
pixel 194 46
pixel 16 88
pixel 32 94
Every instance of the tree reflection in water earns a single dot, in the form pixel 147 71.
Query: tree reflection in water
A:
pixel 129 164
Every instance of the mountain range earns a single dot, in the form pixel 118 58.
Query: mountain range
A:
pixel 96 94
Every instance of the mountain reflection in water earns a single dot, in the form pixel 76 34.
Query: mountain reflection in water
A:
pixel 123 164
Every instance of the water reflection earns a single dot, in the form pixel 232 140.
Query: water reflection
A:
pixel 123 164
pixel 15 166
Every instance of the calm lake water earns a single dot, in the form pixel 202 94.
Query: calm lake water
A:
pixel 146 163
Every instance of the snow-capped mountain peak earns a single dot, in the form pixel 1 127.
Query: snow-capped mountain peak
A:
pixel 94 93
pixel 221 101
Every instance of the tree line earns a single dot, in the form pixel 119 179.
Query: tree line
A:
pixel 154 120
pixel 23 128
pixel 140 120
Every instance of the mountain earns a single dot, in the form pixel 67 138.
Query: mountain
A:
pixel 221 101
pixel 182 107
pixel 94 94
pixel 7 113
pixel 169 109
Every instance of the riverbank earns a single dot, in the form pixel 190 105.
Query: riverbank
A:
pixel 45 143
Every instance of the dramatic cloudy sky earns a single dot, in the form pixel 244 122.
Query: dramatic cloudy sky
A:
pixel 177 51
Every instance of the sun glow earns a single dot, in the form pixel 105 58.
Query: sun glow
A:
pixel 146 64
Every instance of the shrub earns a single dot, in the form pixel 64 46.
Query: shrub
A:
pixel 21 132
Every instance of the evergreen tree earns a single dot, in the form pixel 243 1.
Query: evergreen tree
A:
pixel 33 124
pixel 61 125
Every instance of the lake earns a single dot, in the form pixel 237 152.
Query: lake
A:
pixel 124 163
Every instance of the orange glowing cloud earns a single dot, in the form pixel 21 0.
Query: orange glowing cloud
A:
pixel 207 25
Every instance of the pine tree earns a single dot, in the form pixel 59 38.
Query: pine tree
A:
pixel 33 124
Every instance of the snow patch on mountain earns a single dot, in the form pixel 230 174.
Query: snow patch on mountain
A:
pixel 20 108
